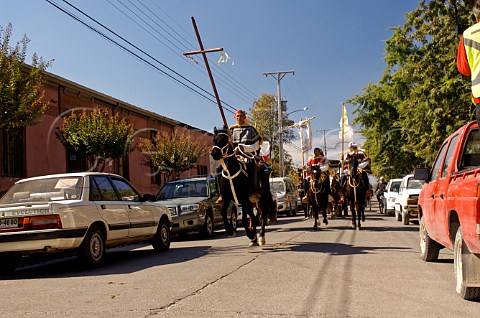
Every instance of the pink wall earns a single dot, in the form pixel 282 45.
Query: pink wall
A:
pixel 46 155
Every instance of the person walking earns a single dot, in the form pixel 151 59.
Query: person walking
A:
pixel 468 58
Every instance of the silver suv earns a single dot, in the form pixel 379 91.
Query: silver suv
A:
pixel 192 203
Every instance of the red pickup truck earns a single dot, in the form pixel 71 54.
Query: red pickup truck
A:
pixel 449 207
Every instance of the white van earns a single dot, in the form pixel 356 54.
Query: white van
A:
pixel 287 195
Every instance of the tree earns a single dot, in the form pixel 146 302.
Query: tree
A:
pixel 173 153
pixel 421 98
pixel 97 135
pixel 21 93
pixel 264 115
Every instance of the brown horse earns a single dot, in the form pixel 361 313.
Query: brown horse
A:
pixel 318 191
pixel 355 189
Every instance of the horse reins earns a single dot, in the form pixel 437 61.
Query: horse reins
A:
pixel 228 176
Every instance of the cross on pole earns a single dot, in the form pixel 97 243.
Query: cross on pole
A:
pixel 203 52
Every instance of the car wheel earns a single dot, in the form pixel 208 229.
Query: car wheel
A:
pixel 92 251
pixel 161 240
pixel 8 263
pixel 429 249
pixel 463 268
pixel 405 217
pixel 398 216
pixel 207 230
pixel 234 218
pixel 288 212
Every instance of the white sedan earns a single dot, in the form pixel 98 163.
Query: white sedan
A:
pixel 86 212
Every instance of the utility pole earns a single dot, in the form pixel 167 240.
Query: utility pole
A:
pixel 324 130
pixel 278 76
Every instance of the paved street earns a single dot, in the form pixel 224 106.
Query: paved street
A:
pixel 332 272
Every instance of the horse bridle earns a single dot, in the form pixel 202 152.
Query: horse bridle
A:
pixel 224 149
pixel 228 176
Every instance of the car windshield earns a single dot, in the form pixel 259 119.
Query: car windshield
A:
pixel 414 184
pixel 42 190
pixel 183 189
pixel 277 186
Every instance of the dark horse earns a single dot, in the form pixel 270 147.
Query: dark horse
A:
pixel 318 191
pixel 234 187
pixel 335 198
pixel 355 188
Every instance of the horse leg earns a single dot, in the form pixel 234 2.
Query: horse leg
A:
pixel 323 206
pixel 359 215
pixel 226 221
pixel 263 221
pixel 249 226
pixel 353 212
pixel 363 212
pixel 315 214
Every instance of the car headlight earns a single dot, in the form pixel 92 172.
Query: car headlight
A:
pixel 189 208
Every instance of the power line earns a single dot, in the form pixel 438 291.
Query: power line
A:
pixel 135 54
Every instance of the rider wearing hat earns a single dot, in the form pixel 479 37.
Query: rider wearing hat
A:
pixel 363 160
pixel 318 159
pixel 247 141
pixel 360 155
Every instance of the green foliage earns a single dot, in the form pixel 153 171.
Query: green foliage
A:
pixel 173 153
pixel 21 93
pixel 264 114
pixel 421 98
pixel 96 135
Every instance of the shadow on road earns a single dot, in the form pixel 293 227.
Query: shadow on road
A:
pixel 118 261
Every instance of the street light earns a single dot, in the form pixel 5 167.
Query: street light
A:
pixel 298 110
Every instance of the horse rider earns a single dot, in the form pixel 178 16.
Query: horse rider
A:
pixel 380 190
pixel 363 160
pixel 247 141
pixel 318 159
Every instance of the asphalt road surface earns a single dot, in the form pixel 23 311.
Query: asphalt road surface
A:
pixel 334 271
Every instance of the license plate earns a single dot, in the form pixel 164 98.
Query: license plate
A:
pixel 8 223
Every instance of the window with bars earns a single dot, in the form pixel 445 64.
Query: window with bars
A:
pixel 13 153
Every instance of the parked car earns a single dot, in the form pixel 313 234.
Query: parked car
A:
pixel 390 195
pixel 287 195
pixel 406 203
pixel 193 205
pixel 86 212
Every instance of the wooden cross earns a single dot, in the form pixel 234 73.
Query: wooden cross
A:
pixel 203 52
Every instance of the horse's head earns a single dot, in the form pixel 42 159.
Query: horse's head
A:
pixel 353 166
pixel 222 145
pixel 317 174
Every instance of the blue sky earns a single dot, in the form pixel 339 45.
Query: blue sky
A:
pixel 336 48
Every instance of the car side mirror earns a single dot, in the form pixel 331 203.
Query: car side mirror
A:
pixel 422 174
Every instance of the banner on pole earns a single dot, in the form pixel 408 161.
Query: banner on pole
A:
pixel 305 132
pixel 346 131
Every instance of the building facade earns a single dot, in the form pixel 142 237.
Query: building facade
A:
pixel 35 150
